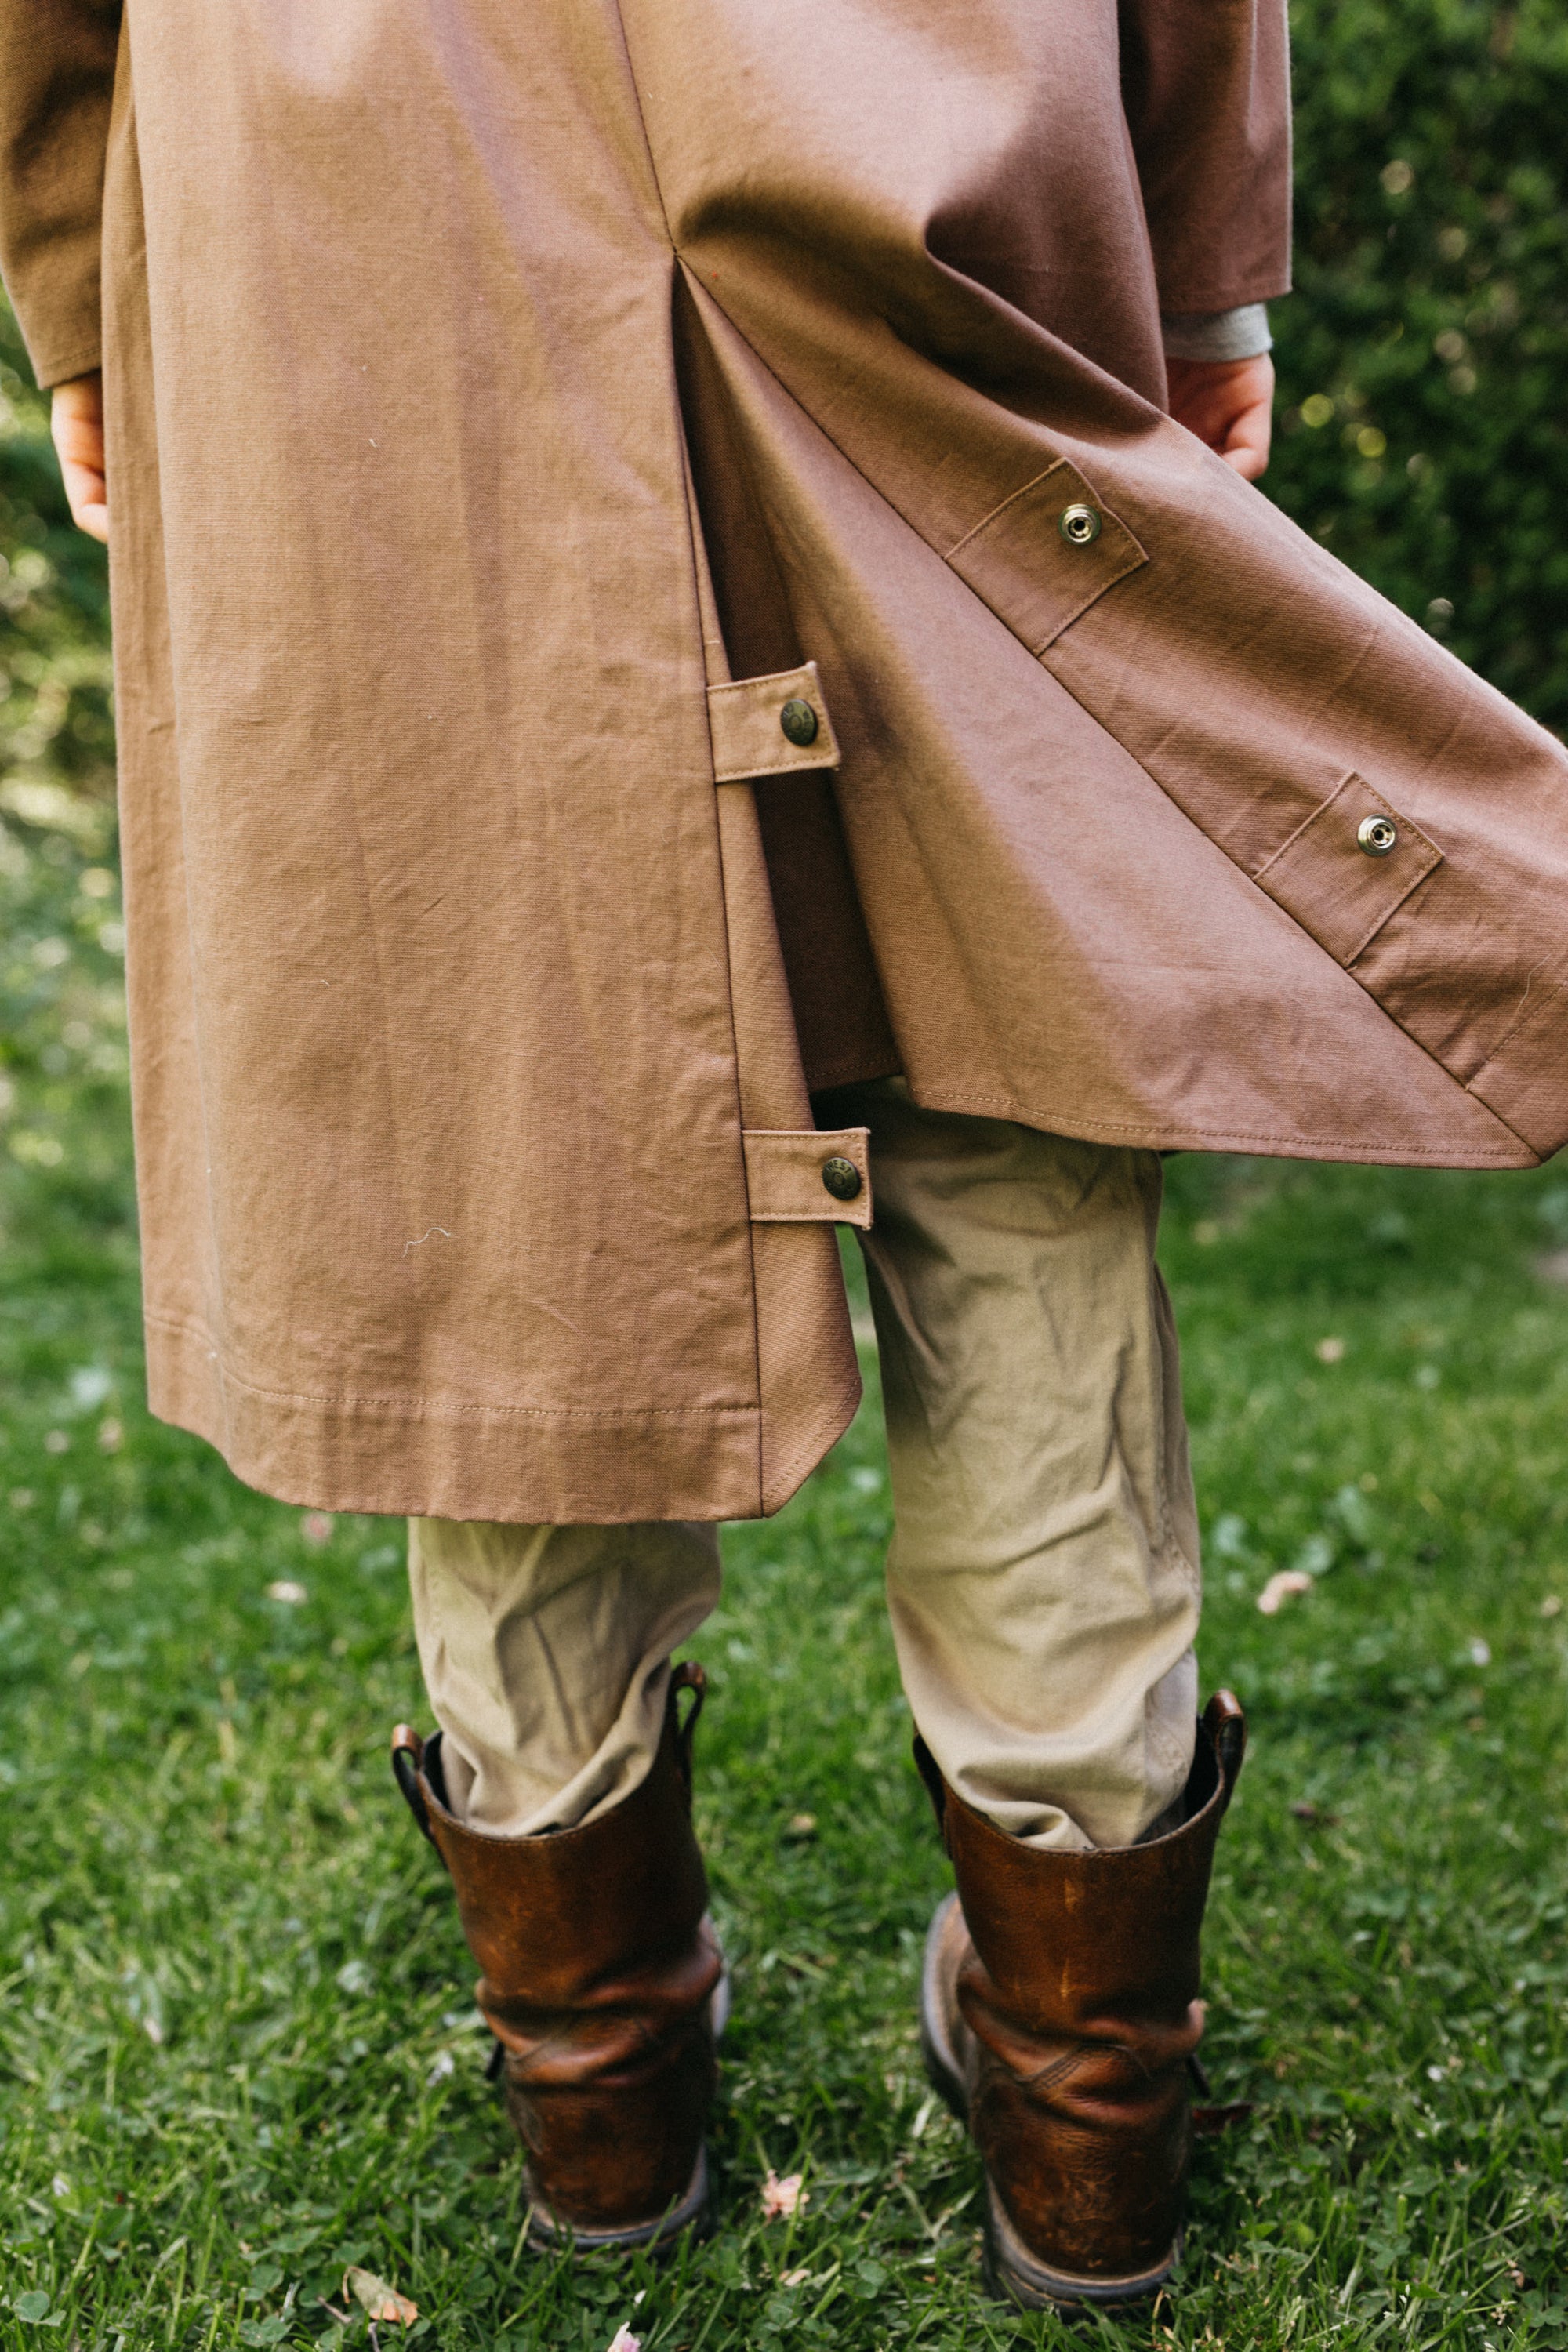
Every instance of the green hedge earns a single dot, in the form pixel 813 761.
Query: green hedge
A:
pixel 1423 359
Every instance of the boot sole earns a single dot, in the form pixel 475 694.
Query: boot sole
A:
pixel 1012 2274
pixel 692 2216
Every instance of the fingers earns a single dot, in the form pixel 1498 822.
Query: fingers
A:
pixel 1246 444
pixel 1229 404
pixel 76 424
pixel 87 498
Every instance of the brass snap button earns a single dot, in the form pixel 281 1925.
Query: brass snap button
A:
pixel 1079 525
pixel 842 1178
pixel 1377 835
pixel 798 721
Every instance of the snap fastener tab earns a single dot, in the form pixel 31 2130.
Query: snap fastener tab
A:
pixel 1377 835
pixel 1079 525
pixel 799 721
pixel 842 1178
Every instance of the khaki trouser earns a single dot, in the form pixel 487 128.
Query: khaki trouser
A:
pixel 1043 1579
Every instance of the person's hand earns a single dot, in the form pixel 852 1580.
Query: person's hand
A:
pixel 75 422
pixel 1229 404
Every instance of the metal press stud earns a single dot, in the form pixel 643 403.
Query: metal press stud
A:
pixel 798 721
pixel 1079 525
pixel 1377 835
pixel 842 1178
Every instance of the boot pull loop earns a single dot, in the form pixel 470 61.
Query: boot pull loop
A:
pixel 1226 1727
pixel 688 1676
pixel 408 1756
pixel 936 1787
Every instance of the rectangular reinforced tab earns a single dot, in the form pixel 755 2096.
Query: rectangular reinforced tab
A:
pixel 808 1176
pixel 1346 870
pixel 1046 554
pixel 770 726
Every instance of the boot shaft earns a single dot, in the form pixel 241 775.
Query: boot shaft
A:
pixel 600 1976
pixel 1068 2007
pixel 1069 1940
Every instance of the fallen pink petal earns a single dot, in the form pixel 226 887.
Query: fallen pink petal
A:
pixel 784 2198
pixel 622 2340
pixel 1279 1587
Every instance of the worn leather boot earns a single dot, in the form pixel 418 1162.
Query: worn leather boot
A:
pixel 1060 2019
pixel 603 1986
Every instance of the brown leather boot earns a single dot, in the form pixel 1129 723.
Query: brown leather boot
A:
pixel 603 1986
pixel 1060 2020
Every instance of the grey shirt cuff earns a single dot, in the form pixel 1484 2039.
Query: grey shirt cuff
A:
pixel 1240 334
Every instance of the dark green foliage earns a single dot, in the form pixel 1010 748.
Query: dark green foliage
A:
pixel 55 716
pixel 1422 362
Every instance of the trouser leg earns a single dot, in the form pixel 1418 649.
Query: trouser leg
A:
pixel 1044 1592
pixel 546 1654
pixel 1043 1579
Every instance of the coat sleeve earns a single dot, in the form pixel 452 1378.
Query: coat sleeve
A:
pixel 1206 88
pixel 57 82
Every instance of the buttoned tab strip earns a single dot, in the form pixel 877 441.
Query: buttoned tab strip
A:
pixel 1046 554
pixel 770 726
pixel 808 1176
pixel 1348 867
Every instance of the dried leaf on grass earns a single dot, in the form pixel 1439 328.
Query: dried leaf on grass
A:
pixel 377 2300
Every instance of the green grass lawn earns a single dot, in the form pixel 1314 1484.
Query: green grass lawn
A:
pixel 238 2044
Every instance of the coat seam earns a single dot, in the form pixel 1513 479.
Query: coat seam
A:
pixel 1527 1014
pixel 697 560
pixel 785 767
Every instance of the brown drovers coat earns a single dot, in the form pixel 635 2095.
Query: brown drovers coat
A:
pixel 477 1169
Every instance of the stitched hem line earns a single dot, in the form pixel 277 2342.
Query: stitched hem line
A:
pixel 405 1408
pixel 1530 1014
pixel 812 767
pixel 1228 1139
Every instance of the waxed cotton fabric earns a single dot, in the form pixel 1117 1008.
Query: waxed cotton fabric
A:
pixel 487 385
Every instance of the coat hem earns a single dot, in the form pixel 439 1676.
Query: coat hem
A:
pixel 412 1457
pixel 1145 1136
pixel 56 367
pixel 787 1481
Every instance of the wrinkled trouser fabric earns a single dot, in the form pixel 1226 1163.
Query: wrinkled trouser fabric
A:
pixel 1043 1578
